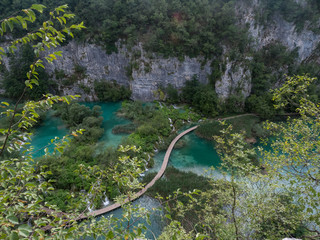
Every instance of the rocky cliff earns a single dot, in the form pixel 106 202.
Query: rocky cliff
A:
pixel 277 30
pixel 145 72
pixel 237 74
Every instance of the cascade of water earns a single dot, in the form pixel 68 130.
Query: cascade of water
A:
pixel 106 201
pixel 171 124
pixel 160 104
pixel 89 204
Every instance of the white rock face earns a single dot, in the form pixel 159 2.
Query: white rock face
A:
pixel 104 67
pixel 279 30
pixel 236 78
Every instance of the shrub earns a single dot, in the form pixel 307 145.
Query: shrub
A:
pixel 111 91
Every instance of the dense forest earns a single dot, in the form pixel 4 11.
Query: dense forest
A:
pixel 267 193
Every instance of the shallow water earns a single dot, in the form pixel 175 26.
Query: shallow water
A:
pixel 196 156
pixel 53 126
pixel 50 128
pixel 156 216
pixel 110 119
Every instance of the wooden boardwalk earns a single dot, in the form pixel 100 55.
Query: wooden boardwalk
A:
pixel 149 185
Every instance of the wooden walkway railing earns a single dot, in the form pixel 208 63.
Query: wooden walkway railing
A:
pixel 150 184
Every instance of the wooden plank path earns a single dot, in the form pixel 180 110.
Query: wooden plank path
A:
pixel 149 185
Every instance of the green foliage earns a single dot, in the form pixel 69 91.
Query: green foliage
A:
pixel 246 124
pixel 78 116
pixel 202 97
pixel 206 101
pixel 124 128
pixel 208 129
pixel 172 94
pixel 14 80
pixel 111 91
pixel 25 214
pixel 265 66
pixel 153 127
pixel 184 181
pixel 190 89
pixel 234 104
pixel 60 74
pixel 291 11
pixel 175 179
pixel 174 28
pixel 261 105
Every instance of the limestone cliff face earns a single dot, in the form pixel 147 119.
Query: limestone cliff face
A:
pixel 236 79
pixel 144 75
pixel 277 30
pixel 237 76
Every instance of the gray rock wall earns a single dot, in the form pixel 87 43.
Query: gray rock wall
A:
pixel 146 77
pixel 236 79
pixel 145 73
pixel 278 30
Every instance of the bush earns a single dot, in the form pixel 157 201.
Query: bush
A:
pixel 111 91
pixel 172 94
pixel 14 79
pixel 261 105
pixel 78 116
pixel 124 128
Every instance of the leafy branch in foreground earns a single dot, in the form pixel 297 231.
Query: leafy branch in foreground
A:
pixel 278 198
pixel 23 212
pixel 42 39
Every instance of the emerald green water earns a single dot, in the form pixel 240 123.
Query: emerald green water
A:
pixel 109 110
pixel 197 156
pixel 53 127
pixel 50 128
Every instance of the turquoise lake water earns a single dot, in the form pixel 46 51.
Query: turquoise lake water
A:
pixel 196 156
pixel 49 129
pixel 110 120
pixel 54 127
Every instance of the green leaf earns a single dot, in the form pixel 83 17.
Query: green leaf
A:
pixel 5 103
pixel 25 227
pixel 24 233
pixel 110 235
pixel 59 53
pixel 38 7
pixel 10 24
pixel 14 236
pixel 52 56
pixel 22 21
pixel 3 25
pixel 13 219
